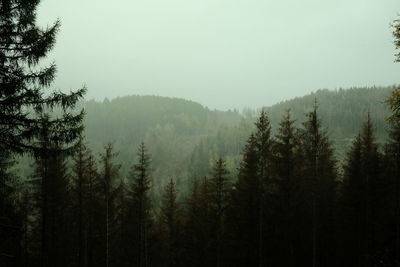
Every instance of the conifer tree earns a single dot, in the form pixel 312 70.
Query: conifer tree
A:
pixel 287 174
pixel 219 189
pixel 95 245
pixel 364 199
pixel 121 223
pixel 265 183
pixel 352 209
pixel 319 182
pixel 198 225
pixel 170 217
pixel 80 176
pixel 53 199
pixel 243 214
pixel 23 81
pixel 85 189
pixel 109 174
pixel 140 177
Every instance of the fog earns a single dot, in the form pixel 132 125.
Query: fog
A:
pixel 222 53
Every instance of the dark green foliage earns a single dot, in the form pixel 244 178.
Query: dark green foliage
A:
pixel 87 205
pixel 364 197
pixel 52 201
pixel 219 189
pixel 170 224
pixel 141 207
pixel 319 175
pixel 109 174
pixel 197 226
pixel 22 81
pixel 396 35
pixel 287 200
pixel 10 220
pixel 244 213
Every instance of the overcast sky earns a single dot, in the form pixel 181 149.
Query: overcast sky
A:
pixel 222 53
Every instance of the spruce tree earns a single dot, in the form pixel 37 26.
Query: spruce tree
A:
pixel 140 177
pixel 219 190
pixel 197 226
pixel 53 201
pixel 109 174
pixel 170 219
pixel 95 245
pixel 287 174
pixel 320 182
pixel 352 208
pixel 23 45
pixel 243 214
pixel 265 183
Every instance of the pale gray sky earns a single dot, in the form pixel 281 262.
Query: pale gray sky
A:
pixel 222 53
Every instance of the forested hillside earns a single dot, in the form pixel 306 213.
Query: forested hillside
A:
pixel 186 137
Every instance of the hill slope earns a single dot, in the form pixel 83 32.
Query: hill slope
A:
pixel 184 137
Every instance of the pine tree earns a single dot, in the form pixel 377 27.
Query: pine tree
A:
pixel 243 214
pixel 265 183
pixel 95 245
pixel 320 182
pixel 352 209
pixel 109 174
pixel 22 81
pixel 80 184
pixel 53 199
pixel 287 174
pixel 140 177
pixel 197 225
pixel 363 196
pixel 170 218
pixel 219 189
pixel 85 189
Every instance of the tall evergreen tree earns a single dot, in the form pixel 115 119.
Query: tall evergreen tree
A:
pixel 364 198
pixel 53 195
pixel 319 181
pixel 141 206
pixel 109 174
pixel 80 183
pixel 243 213
pixel 265 183
pixel 94 243
pixel 22 81
pixel 287 174
pixel 170 219
pixel 197 225
pixel 219 190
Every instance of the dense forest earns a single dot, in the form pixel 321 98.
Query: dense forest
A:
pixel 152 181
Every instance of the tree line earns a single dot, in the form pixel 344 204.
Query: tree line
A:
pixel 290 205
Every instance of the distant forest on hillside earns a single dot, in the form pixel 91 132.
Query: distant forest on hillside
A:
pixel 183 133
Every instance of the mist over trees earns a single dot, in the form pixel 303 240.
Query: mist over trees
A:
pixel 312 181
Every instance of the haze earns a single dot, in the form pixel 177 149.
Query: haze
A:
pixel 223 54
